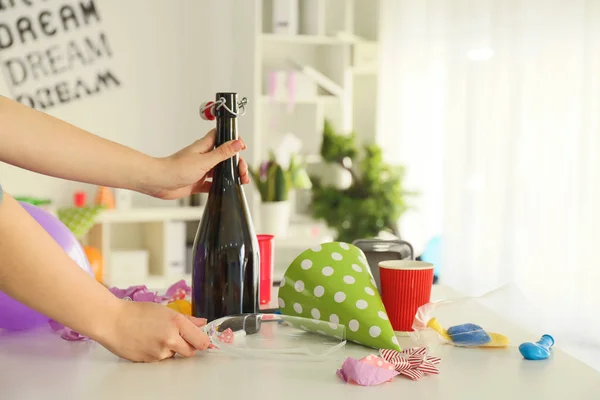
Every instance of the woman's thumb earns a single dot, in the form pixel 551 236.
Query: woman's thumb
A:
pixel 222 153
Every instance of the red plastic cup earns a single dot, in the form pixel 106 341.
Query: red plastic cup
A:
pixel 267 265
pixel 79 198
pixel 405 286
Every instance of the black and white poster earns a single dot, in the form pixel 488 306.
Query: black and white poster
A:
pixel 54 52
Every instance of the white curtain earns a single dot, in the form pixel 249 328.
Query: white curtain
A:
pixel 494 108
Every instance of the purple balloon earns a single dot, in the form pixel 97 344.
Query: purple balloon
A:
pixel 16 316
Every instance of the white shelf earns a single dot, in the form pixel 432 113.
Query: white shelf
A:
pixel 300 242
pixel 312 100
pixel 154 283
pixel 303 234
pixel 157 214
pixel 364 71
pixel 161 283
pixel 305 39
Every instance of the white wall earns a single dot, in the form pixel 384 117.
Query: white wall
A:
pixel 170 57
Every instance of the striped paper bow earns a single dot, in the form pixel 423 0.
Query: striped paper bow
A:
pixel 413 363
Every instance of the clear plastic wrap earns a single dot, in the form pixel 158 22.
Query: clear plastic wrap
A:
pixel 276 336
pixel 498 319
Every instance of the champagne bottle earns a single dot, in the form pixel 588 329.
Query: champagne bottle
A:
pixel 225 254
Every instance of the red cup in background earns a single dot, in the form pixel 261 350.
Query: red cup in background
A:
pixel 267 265
pixel 405 286
pixel 79 199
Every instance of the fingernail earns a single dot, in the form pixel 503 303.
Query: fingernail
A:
pixel 244 144
pixel 237 145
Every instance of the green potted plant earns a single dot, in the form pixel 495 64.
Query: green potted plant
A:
pixel 274 183
pixel 373 202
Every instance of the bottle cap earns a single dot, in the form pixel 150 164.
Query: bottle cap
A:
pixel 207 111
pixel 228 105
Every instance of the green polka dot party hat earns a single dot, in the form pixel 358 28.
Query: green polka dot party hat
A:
pixel 332 282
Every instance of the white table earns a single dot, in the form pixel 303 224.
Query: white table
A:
pixel 39 365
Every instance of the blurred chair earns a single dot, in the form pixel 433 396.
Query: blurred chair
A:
pixel 433 255
pixel 377 250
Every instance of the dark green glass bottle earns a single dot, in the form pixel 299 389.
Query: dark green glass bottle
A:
pixel 225 254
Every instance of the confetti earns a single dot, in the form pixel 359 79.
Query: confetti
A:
pixel 413 363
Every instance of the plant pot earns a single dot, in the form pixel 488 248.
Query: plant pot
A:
pixel 331 175
pixel 274 218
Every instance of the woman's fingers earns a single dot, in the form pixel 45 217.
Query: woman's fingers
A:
pixel 201 187
pixel 199 322
pixel 182 347
pixel 204 185
pixel 243 169
pixel 193 335
pixel 205 144
pixel 164 354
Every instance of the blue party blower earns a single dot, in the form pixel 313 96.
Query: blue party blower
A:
pixel 539 350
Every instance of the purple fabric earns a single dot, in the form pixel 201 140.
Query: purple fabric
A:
pixel 136 293
pixel 181 285
pixel 66 333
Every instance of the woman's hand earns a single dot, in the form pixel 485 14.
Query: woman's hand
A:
pixel 49 281
pixel 186 171
pixel 65 151
pixel 147 332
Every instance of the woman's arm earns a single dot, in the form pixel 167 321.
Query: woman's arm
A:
pixel 37 272
pixel 38 142
pixel 47 279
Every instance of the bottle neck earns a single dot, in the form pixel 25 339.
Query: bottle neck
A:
pixel 226 171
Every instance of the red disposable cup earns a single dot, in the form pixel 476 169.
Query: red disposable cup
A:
pixel 405 286
pixel 265 245
pixel 79 198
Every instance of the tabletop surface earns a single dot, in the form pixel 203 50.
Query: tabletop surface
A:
pixel 40 365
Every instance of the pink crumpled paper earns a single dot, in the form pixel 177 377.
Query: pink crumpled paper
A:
pixel 368 371
pixel 177 291
pixel 227 336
